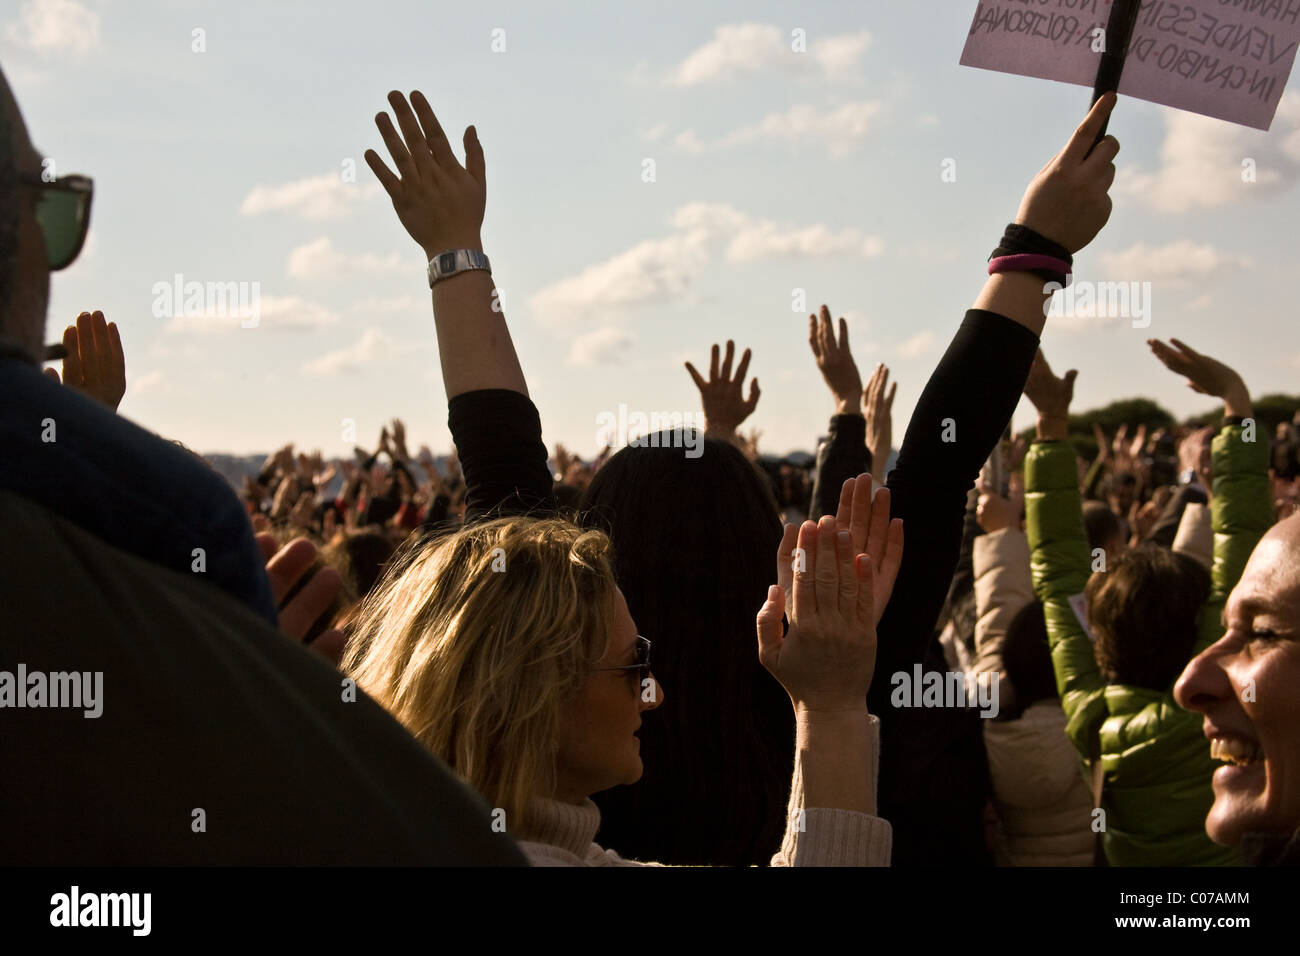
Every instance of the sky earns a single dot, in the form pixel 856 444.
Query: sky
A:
pixel 661 177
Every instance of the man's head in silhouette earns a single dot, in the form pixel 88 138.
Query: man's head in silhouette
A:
pixel 24 270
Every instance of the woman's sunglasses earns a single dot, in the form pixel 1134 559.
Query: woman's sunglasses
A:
pixel 641 669
pixel 63 212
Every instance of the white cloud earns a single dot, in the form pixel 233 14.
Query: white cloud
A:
pixel 663 270
pixel 287 313
pixel 1173 262
pixel 713 220
pixel 737 49
pixel 654 133
pixel 916 346
pixel 751 239
pixel 838 129
pixel 319 259
pixel 315 198
pixel 56 26
pixel 605 346
pixel 373 346
pixel 767 240
pixel 1201 161
pixel 657 270
pixel 839 55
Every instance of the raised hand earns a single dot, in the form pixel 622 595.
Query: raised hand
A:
pixel 286 496
pixel 871 533
pixel 1103 443
pixel 563 460
pixel 322 478
pixel 996 512
pixel 835 362
pixel 439 202
pixel 398 445
pixel 1068 200
pixel 1205 375
pixel 302 514
pixel 1119 449
pixel 285 568
pixel 725 406
pixel 1194 455
pixel 879 406
pixel 1051 396
pixel 95 363
pixel 827 659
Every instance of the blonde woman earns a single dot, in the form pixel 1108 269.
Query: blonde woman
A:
pixel 507 648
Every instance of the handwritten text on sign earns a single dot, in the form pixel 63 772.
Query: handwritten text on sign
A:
pixel 1229 59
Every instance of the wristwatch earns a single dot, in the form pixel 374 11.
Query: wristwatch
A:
pixel 455 261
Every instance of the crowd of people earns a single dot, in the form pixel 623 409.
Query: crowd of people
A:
pixel 975 649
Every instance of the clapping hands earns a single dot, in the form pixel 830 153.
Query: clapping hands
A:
pixel 871 533
pixel 827 658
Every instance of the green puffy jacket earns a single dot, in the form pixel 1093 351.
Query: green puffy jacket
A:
pixel 1155 756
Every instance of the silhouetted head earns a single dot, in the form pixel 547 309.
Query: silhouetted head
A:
pixel 695 536
pixel 24 270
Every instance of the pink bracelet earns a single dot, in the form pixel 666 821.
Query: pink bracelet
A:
pixel 1028 263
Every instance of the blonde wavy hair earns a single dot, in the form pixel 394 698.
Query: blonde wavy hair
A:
pixel 476 639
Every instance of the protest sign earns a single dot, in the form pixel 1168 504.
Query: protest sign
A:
pixel 1229 59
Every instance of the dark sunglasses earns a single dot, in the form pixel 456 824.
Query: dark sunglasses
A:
pixel 641 669
pixel 63 212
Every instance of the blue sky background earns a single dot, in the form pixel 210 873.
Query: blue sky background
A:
pixel 773 171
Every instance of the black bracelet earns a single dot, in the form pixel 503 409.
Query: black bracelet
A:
pixel 1021 240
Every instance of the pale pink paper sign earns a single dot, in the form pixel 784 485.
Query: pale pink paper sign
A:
pixel 1229 59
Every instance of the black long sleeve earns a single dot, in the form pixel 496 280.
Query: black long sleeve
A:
pixel 933 771
pixel 843 456
pixel 498 436
pixel 958 421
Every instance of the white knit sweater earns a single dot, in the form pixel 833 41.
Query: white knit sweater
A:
pixel 563 834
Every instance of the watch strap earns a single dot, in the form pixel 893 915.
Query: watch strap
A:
pixel 454 261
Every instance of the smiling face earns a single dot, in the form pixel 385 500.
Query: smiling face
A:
pixel 597 746
pixel 1246 686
